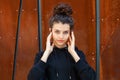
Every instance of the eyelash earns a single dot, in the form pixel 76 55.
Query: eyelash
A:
pixel 63 32
pixel 66 32
pixel 57 32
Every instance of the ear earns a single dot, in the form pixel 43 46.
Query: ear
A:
pixel 50 29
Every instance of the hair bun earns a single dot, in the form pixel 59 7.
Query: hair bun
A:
pixel 63 9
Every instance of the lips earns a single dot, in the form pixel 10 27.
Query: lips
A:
pixel 60 41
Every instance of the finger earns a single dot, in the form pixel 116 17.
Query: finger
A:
pixel 49 37
pixel 70 39
pixel 68 43
pixel 73 37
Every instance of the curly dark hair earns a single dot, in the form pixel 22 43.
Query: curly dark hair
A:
pixel 62 13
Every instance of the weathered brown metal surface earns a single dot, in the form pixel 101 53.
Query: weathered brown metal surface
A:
pixel 85 33
pixel 28 45
pixel 8 22
pixel 110 39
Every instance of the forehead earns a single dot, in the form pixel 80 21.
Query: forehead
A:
pixel 60 26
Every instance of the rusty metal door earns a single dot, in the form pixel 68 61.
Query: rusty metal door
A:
pixel 85 33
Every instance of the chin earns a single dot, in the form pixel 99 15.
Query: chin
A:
pixel 61 44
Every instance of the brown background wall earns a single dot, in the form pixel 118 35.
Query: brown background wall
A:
pixel 84 15
pixel 110 39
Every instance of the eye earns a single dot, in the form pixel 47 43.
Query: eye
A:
pixel 57 31
pixel 66 32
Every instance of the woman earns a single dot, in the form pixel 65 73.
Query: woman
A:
pixel 61 60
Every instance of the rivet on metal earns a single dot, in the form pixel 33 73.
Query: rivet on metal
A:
pixel 35 9
pixel 23 10
pixel 118 19
pixel 0 12
pixel 0 37
pixel 102 46
pixel 93 20
pixel 93 58
pixel 16 10
pixel 19 37
pixel 112 32
pixel 102 19
pixel 93 53
pixel 36 38
pixel 109 46
pixel 17 64
pixel 13 37
pixel 11 63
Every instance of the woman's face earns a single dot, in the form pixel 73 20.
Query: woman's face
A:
pixel 61 33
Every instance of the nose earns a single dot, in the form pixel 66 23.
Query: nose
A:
pixel 61 36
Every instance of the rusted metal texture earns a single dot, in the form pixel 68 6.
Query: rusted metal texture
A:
pixel 85 34
pixel 110 39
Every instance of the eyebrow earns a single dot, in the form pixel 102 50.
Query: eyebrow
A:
pixel 63 31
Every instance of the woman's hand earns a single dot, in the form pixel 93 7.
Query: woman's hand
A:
pixel 71 43
pixel 71 47
pixel 49 48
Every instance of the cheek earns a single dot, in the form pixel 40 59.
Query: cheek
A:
pixel 67 36
pixel 54 36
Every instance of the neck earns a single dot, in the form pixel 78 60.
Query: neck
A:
pixel 61 46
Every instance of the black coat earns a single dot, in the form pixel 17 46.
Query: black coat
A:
pixel 61 66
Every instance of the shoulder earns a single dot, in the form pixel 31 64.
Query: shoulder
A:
pixel 38 56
